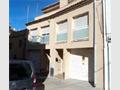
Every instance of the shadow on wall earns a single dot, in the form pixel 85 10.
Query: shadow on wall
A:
pixel 89 53
pixel 17 43
pixel 44 71
pixel 22 49
pixel 39 56
pixel 59 64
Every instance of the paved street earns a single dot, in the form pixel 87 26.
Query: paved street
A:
pixel 70 84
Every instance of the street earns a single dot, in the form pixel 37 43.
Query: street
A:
pixel 70 84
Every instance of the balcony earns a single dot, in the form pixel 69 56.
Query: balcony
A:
pixel 62 37
pixel 44 39
pixel 35 38
pixel 81 34
pixel 40 39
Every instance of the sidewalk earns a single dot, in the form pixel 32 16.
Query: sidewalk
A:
pixel 70 84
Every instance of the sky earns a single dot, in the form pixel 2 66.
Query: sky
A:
pixel 23 11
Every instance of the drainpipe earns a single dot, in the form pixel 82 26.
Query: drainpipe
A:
pixel 107 40
pixel 94 39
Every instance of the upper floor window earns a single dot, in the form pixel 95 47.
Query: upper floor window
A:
pixel 62 28
pixel 33 35
pixel 33 32
pixel 80 27
pixel 45 34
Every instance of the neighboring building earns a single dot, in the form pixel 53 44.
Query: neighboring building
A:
pixel 36 53
pixel 17 44
pixel 67 30
pixel 22 49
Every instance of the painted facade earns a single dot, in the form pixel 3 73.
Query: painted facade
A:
pixel 67 31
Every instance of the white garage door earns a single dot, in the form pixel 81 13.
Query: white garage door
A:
pixel 78 67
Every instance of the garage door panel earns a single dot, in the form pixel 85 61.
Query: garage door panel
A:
pixel 78 67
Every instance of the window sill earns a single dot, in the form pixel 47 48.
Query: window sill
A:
pixel 82 39
pixel 61 42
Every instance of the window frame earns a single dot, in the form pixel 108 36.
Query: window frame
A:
pixel 44 34
pixel 57 30
pixel 73 29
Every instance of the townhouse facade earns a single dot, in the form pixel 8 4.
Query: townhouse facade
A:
pixel 73 37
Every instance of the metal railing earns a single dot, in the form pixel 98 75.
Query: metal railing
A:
pixel 40 39
pixel 80 34
pixel 62 37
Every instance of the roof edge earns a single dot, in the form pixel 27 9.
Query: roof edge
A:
pixel 82 3
pixel 51 5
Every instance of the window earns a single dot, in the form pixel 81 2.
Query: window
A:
pixel 33 35
pixel 80 28
pixel 62 31
pixel 45 35
pixel 33 32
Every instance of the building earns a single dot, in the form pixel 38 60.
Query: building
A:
pixel 35 52
pixel 73 35
pixel 22 49
pixel 17 44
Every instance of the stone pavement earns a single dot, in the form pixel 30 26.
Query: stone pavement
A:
pixel 70 84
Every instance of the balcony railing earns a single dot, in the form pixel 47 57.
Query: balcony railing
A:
pixel 40 39
pixel 35 38
pixel 62 37
pixel 44 39
pixel 80 34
